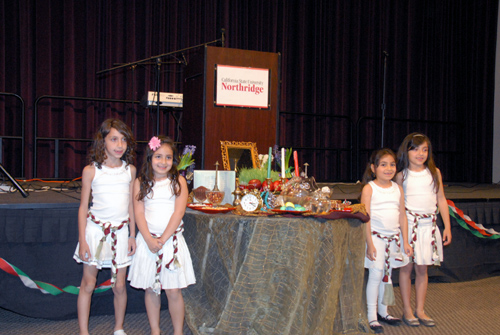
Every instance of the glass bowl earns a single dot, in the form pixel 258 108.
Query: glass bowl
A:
pixel 215 197
pixel 320 206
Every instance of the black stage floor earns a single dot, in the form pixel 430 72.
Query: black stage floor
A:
pixel 41 195
pixel 38 235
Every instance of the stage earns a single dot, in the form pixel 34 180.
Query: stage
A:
pixel 38 235
pixel 67 194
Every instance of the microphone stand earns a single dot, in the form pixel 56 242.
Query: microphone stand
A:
pixel 158 65
pixel 157 62
pixel 154 58
pixel 383 97
pixel 14 182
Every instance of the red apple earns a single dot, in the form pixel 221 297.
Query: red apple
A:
pixel 271 185
pixel 277 186
pixel 255 183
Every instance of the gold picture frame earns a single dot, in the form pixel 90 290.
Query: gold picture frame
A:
pixel 239 154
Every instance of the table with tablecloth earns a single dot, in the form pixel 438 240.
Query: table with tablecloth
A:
pixel 276 274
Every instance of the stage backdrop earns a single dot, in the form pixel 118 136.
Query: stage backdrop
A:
pixel 439 74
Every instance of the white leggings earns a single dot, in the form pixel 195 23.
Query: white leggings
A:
pixel 375 294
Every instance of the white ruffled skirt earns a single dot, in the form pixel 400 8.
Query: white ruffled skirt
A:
pixel 93 236
pixel 423 249
pixel 143 269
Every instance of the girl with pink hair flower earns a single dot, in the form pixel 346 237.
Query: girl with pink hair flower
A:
pixel 162 260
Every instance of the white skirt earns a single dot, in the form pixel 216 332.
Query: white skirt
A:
pixel 422 249
pixel 143 269
pixel 395 257
pixel 93 236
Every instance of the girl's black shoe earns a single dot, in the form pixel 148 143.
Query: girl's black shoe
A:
pixel 389 319
pixel 376 327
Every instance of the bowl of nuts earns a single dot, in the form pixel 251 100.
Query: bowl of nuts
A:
pixel 215 197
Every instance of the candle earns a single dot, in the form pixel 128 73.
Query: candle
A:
pixel 269 162
pixel 283 163
pixel 296 161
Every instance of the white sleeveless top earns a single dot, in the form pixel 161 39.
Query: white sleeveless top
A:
pixel 384 208
pixel 111 193
pixel 159 206
pixel 420 196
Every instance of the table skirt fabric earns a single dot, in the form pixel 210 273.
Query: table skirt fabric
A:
pixel 275 275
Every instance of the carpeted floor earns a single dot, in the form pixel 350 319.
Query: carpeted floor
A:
pixel 466 308
pixel 135 324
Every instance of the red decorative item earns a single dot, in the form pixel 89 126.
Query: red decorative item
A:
pixel 255 183
pixel 214 210
pixel 296 161
pixel 271 185
pixel 276 186
pixel 200 193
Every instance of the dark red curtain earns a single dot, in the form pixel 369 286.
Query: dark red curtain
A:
pixel 439 75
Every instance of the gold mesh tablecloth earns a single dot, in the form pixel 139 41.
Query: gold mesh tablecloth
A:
pixel 275 275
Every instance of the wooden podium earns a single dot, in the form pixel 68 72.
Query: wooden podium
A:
pixel 205 123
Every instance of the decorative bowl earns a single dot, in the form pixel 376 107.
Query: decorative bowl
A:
pixel 215 197
pixel 200 193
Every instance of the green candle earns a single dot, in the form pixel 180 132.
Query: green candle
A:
pixel 269 162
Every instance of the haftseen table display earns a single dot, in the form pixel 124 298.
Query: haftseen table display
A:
pixel 282 262
pixel 275 274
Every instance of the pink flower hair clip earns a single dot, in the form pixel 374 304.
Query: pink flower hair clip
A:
pixel 154 143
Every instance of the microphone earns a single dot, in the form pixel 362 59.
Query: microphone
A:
pixel 184 58
pixel 223 38
pixel 385 53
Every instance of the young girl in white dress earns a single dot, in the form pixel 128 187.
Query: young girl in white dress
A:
pixel 424 198
pixel 162 259
pixel 104 228
pixel 384 202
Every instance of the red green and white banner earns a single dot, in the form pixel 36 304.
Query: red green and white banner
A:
pixel 466 222
pixel 46 288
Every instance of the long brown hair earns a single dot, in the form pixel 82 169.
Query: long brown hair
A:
pixel 375 158
pixel 146 174
pixel 412 141
pixel 98 151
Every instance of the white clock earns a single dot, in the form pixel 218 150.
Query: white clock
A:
pixel 251 202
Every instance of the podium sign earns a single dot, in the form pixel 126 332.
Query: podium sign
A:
pixel 242 87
